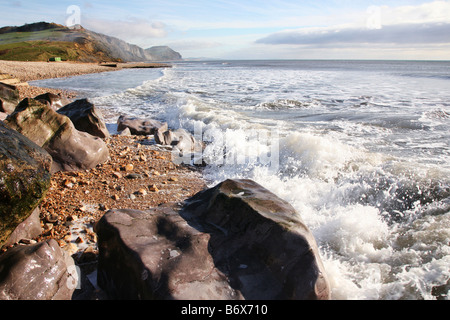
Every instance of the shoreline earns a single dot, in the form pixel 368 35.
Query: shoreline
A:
pixel 138 175
pixel 37 70
pixel 157 175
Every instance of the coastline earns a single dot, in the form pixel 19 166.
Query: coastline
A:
pixel 36 70
pixel 139 175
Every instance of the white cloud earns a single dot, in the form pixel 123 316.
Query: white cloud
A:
pixel 395 34
pixel 426 23
pixel 194 44
pixel 132 30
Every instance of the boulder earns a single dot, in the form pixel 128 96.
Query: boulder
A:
pixel 37 272
pixel 24 179
pixel 259 241
pixel 234 241
pixel 9 98
pixel 140 127
pixel 181 140
pixel 86 117
pixel 70 149
pixel 155 254
pixel 29 229
pixel 52 100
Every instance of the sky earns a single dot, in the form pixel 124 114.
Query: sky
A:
pixel 250 29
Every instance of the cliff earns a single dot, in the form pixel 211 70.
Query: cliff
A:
pixel 42 41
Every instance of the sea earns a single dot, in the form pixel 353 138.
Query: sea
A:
pixel 361 150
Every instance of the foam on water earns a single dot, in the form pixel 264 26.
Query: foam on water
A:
pixel 360 150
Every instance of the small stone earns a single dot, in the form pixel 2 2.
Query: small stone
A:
pixel 79 240
pixel 132 197
pixel 134 176
pixel 83 209
pixel 154 188
pixel 156 173
pixel 62 243
pixel 173 179
pixel 51 218
pixel 73 217
pixel 27 241
pixel 71 248
pixel 68 184
pixel 142 191
pixel 129 167
pixel 115 197
pixel 117 175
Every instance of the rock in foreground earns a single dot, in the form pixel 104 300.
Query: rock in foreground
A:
pixel 37 272
pixel 234 241
pixel 70 149
pixel 138 126
pixel 9 98
pixel 24 179
pixel 86 117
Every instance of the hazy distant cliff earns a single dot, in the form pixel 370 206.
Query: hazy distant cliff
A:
pixel 41 41
pixel 164 53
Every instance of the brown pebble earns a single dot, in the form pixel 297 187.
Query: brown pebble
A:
pixel 142 191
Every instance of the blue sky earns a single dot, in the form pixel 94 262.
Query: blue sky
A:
pixel 229 29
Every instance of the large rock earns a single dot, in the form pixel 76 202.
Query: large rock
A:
pixel 24 179
pixel 37 272
pixel 260 241
pixel 234 241
pixel 86 117
pixel 70 149
pixel 28 229
pixel 155 254
pixel 141 127
pixel 9 98
pixel 181 140
pixel 52 100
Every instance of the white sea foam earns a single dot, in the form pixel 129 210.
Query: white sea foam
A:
pixel 363 156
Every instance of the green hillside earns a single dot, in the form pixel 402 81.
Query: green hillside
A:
pixel 41 41
pixel 39 51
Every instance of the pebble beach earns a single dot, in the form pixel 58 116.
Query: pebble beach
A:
pixel 139 175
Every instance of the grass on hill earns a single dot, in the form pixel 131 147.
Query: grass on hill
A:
pixel 39 51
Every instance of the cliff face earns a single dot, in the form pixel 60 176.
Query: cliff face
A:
pixel 164 53
pixel 41 41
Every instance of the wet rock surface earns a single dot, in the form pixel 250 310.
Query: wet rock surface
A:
pixel 138 126
pixel 231 242
pixel 70 149
pixel 86 117
pixel 9 98
pixel 24 179
pixel 37 272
